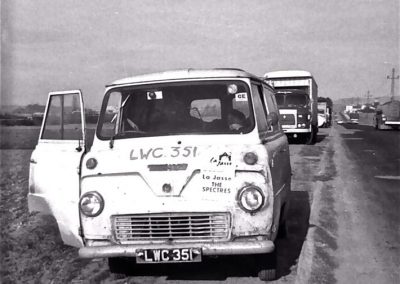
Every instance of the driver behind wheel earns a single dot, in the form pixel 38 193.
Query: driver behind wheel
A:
pixel 236 120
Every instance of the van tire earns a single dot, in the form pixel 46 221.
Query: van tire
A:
pixel 282 230
pixel 267 264
pixel 267 274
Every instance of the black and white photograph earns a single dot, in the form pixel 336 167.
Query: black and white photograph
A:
pixel 212 142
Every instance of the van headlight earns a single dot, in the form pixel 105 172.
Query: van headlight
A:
pixel 251 198
pixel 91 204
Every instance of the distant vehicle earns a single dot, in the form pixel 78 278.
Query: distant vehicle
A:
pixel 354 117
pixel 184 164
pixel 387 115
pixel 324 112
pixel 297 96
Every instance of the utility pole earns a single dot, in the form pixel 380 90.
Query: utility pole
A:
pixel 368 96
pixel 392 85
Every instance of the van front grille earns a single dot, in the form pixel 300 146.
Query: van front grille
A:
pixel 171 226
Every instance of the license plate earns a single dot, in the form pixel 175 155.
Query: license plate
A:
pixel 168 255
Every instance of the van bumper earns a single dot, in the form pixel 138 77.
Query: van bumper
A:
pixel 223 248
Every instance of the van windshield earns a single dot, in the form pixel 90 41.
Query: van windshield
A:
pixel 190 107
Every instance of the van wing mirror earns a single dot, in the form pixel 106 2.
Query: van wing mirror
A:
pixel 272 119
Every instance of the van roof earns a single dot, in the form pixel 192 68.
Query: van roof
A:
pixel 287 74
pixel 186 74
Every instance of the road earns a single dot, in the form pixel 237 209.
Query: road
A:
pixel 354 223
pixel 366 195
pixel 343 222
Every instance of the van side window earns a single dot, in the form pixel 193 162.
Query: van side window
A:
pixel 261 115
pixel 63 121
pixel 271 105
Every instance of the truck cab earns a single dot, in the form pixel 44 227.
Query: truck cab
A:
pixel 299 116
pixel 184 164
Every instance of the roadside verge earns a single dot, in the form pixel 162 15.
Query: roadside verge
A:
pixel 317 185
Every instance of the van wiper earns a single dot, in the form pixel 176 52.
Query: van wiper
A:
pixel 117 114
pixel 124 134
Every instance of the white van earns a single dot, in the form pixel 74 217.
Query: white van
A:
pixel 184 164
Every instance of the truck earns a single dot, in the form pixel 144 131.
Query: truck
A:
pixel 324 112
pixel 387 115
pixel 297 98
pixel 184 165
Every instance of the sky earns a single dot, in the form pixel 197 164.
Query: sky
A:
pixel 350 46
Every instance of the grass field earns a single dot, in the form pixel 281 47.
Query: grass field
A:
pixel 18 137
pixel 31 249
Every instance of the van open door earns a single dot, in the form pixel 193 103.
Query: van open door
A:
pixel 55 164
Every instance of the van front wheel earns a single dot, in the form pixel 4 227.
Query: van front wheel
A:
pixel 283 230
pixel 266 264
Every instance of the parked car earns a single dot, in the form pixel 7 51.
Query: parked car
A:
pixel 354 117
pixel 190 163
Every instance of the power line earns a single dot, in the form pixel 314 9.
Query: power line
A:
pixel 368 96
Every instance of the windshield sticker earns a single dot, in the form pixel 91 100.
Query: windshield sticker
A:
pixel 160 152
pixel 216 182
pixel 157 95
pixel 241 97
